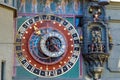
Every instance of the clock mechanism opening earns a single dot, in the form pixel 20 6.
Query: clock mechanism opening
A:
pixel 53 44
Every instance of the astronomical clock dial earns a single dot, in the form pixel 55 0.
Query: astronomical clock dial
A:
pixel 47 45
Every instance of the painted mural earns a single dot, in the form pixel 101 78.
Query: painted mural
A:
pixel 50 6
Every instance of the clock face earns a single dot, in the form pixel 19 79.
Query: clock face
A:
pixel 47 45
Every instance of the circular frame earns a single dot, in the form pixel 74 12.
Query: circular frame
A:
pixel 65 63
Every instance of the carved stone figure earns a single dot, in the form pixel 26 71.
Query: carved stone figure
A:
pixel 96 36
pixel 96 41
pixel 96 14
pixel 95 17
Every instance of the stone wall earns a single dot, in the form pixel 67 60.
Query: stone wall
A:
pixel 7 40
pixel 112 68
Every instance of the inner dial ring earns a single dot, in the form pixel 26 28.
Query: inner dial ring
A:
pixel 53 44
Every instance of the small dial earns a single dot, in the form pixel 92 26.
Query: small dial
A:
pixel 53 44
pixel 47 45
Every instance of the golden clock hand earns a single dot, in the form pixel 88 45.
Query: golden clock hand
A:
pixel 37 31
